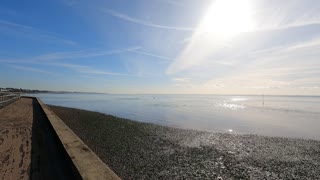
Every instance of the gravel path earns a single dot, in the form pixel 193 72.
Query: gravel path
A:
pixel 145 151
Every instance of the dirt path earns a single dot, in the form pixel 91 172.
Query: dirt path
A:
pixel 15 139
pixel 29 148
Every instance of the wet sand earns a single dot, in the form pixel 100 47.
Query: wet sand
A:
pixel 137 150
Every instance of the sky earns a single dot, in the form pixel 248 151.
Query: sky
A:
pixel 162 46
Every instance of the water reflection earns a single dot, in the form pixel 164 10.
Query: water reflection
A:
pixel 239 99
pixel 232 106
pixel 290 116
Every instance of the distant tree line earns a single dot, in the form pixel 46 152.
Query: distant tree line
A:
pixel 22 90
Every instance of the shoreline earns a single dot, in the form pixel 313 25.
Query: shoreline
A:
pixel 136 150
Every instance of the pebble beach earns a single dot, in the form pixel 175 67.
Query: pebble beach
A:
pixel 136 150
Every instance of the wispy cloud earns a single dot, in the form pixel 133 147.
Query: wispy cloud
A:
pixel 50 60
pixel 181 79
pixel 101 72
pixel 204 48
pixel 150 54
pixel 142 22
pixel 32 32
pixel 69 55
pixel 279 68
pixel 298 23
pixel 83 54
pixel 65 65
pixel 31 69
pixel 7 23
pixel 186 82
pixel 86 69
pixel 287 14
pixel 173 2
pixel 75 67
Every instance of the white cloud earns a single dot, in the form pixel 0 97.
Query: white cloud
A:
pixel 141 22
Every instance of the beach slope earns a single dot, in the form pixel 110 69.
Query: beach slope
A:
pixel 137 150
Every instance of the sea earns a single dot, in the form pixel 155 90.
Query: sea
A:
pixel 284 116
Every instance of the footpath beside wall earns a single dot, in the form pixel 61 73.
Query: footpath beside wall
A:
pixel 85 161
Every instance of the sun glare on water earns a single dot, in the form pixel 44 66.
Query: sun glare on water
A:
pixel 227 18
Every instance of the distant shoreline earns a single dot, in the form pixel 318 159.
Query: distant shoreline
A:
pixel 62 92
pixel 267 95
pixel 36 91
pixel 136 150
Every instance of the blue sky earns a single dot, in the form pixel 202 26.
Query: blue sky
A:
pixel 162 46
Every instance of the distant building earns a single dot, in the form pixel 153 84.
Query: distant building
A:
pixel 4 90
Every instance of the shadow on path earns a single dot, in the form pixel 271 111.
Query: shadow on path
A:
pixel 49 159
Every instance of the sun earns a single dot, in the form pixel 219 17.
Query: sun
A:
pixel 227 18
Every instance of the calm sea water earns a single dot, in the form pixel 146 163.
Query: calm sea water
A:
pixel 287 116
